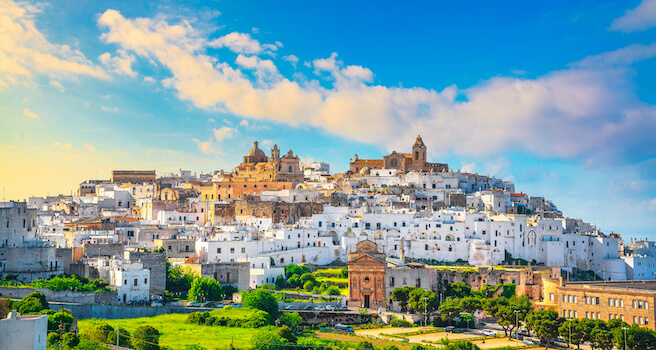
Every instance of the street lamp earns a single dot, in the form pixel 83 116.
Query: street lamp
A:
pixel 569 340
pixel 426 311
pixel 516 326
pixel 625 328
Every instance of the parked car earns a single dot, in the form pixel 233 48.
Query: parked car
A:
pixel 207 304
pixel 531 341
pixel 157 303
pixel 290 307
pixel 193 304
pixel 450 329
pixel 331 308
pixel 514 335
pixel 489 333
pixel 308 307
pixel 320 308
pixel 342 328
pixel 235 305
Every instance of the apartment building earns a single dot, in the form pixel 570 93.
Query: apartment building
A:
pixel 631 301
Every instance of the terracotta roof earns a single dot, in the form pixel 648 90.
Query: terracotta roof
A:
pixel 373 163
pixel 517 194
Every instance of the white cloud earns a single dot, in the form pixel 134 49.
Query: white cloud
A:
pixel 620 57
pixel 65 146
pixel 90 148
pixel 110 109
pixel 244 123
pixel 291 59
pixel 224 133
pixel 149 79
pixel 205 147
pixel 638 19
pixel 24 50
pixel 468 167
pixel 30 114
pixel 120 63
pixel 57 85
pixel 264 69
pixel 238 42
pixel 583 112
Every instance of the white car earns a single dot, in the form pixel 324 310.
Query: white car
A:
pixel 489 333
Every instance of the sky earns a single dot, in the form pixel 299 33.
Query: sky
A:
pixel 558 97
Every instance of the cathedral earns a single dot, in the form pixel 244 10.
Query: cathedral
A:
pixel 404 162
pixel 258 167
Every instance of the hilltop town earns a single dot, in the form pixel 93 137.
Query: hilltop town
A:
pixel 394 222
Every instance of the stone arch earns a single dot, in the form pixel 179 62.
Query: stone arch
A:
pixel 335 237
pixel 435 235
pixel 423 235
pixel 378 235
pixel 449 237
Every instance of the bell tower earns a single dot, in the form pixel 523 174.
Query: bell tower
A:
pixel 419 152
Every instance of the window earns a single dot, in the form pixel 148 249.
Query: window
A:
pixel 320 223
pixel 125 282
pixel 426 247
pixel 232 250
pixel 418 282
pixel 218 250
pixel 243 250
pixel 597 301
pixel 135 281
pixel 551 297
pixel 391 281
pixel 145 281
pixel 621 302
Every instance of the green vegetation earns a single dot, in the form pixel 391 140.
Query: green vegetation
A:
pixel 298 278
pixel 64 282
pixel 176 333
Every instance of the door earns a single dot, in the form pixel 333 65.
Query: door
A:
pixel 124 298
pixel 366 301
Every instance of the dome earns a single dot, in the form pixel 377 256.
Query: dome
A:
pixel 255 152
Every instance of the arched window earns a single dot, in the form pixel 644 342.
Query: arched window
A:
pixel 290 168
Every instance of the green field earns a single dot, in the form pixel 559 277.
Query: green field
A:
pixel 176 333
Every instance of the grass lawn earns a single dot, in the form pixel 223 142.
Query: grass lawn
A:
pixel 177 333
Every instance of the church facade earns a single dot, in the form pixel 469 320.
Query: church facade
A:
pixel 366 271
pixel 258 167
pixel 404 162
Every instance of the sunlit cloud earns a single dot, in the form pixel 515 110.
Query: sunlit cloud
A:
pixel 57 85
pixel 89 147
pixel 65 146
pixel 638 19
pixel 30 114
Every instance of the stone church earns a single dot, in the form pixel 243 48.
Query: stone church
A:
pixel 404 162
pixel 366 270
pixel 258 167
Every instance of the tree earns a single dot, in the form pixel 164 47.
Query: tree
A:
pixel 268 339
pixel 575 328
pixel 205 289
pixel 402 296
pixel 458 290
pixel 364 345
pixel 5 307
pixel 63 318
pixel 308 277
pixel 287 334
pixel 462 345
pixel 544 323
pixel 294 281
pixel 470 304
pixel 178 279
pixel 488 290
pixel 34 302
pixel 262 300
pixel 601 339
pixel 291 320
pixel 70 340
pixel 280 282
pixel 450 309
pixel 333 290
pixel 145 338
pixel 87 344
pixel 505 311
pixel 308 286
pixel 423 301
pixel 636 338
pixel 53 339
pixel 293 269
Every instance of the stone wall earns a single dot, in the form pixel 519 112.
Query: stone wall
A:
pixel 96 250
pixel 111 312
pixel 35 262
pixel 66 296
pixel 333 318
pixel 236 274
pixel 156 263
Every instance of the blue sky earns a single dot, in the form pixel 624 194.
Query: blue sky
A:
pixel 556 96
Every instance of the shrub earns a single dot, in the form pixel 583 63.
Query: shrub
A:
pixel 53 339
pixel 70 340
pixel 400 323
pixel 210 320
pixel 146 338
pixel 308 286
pixel 259 319
pixel 332 290
pixel 124 338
